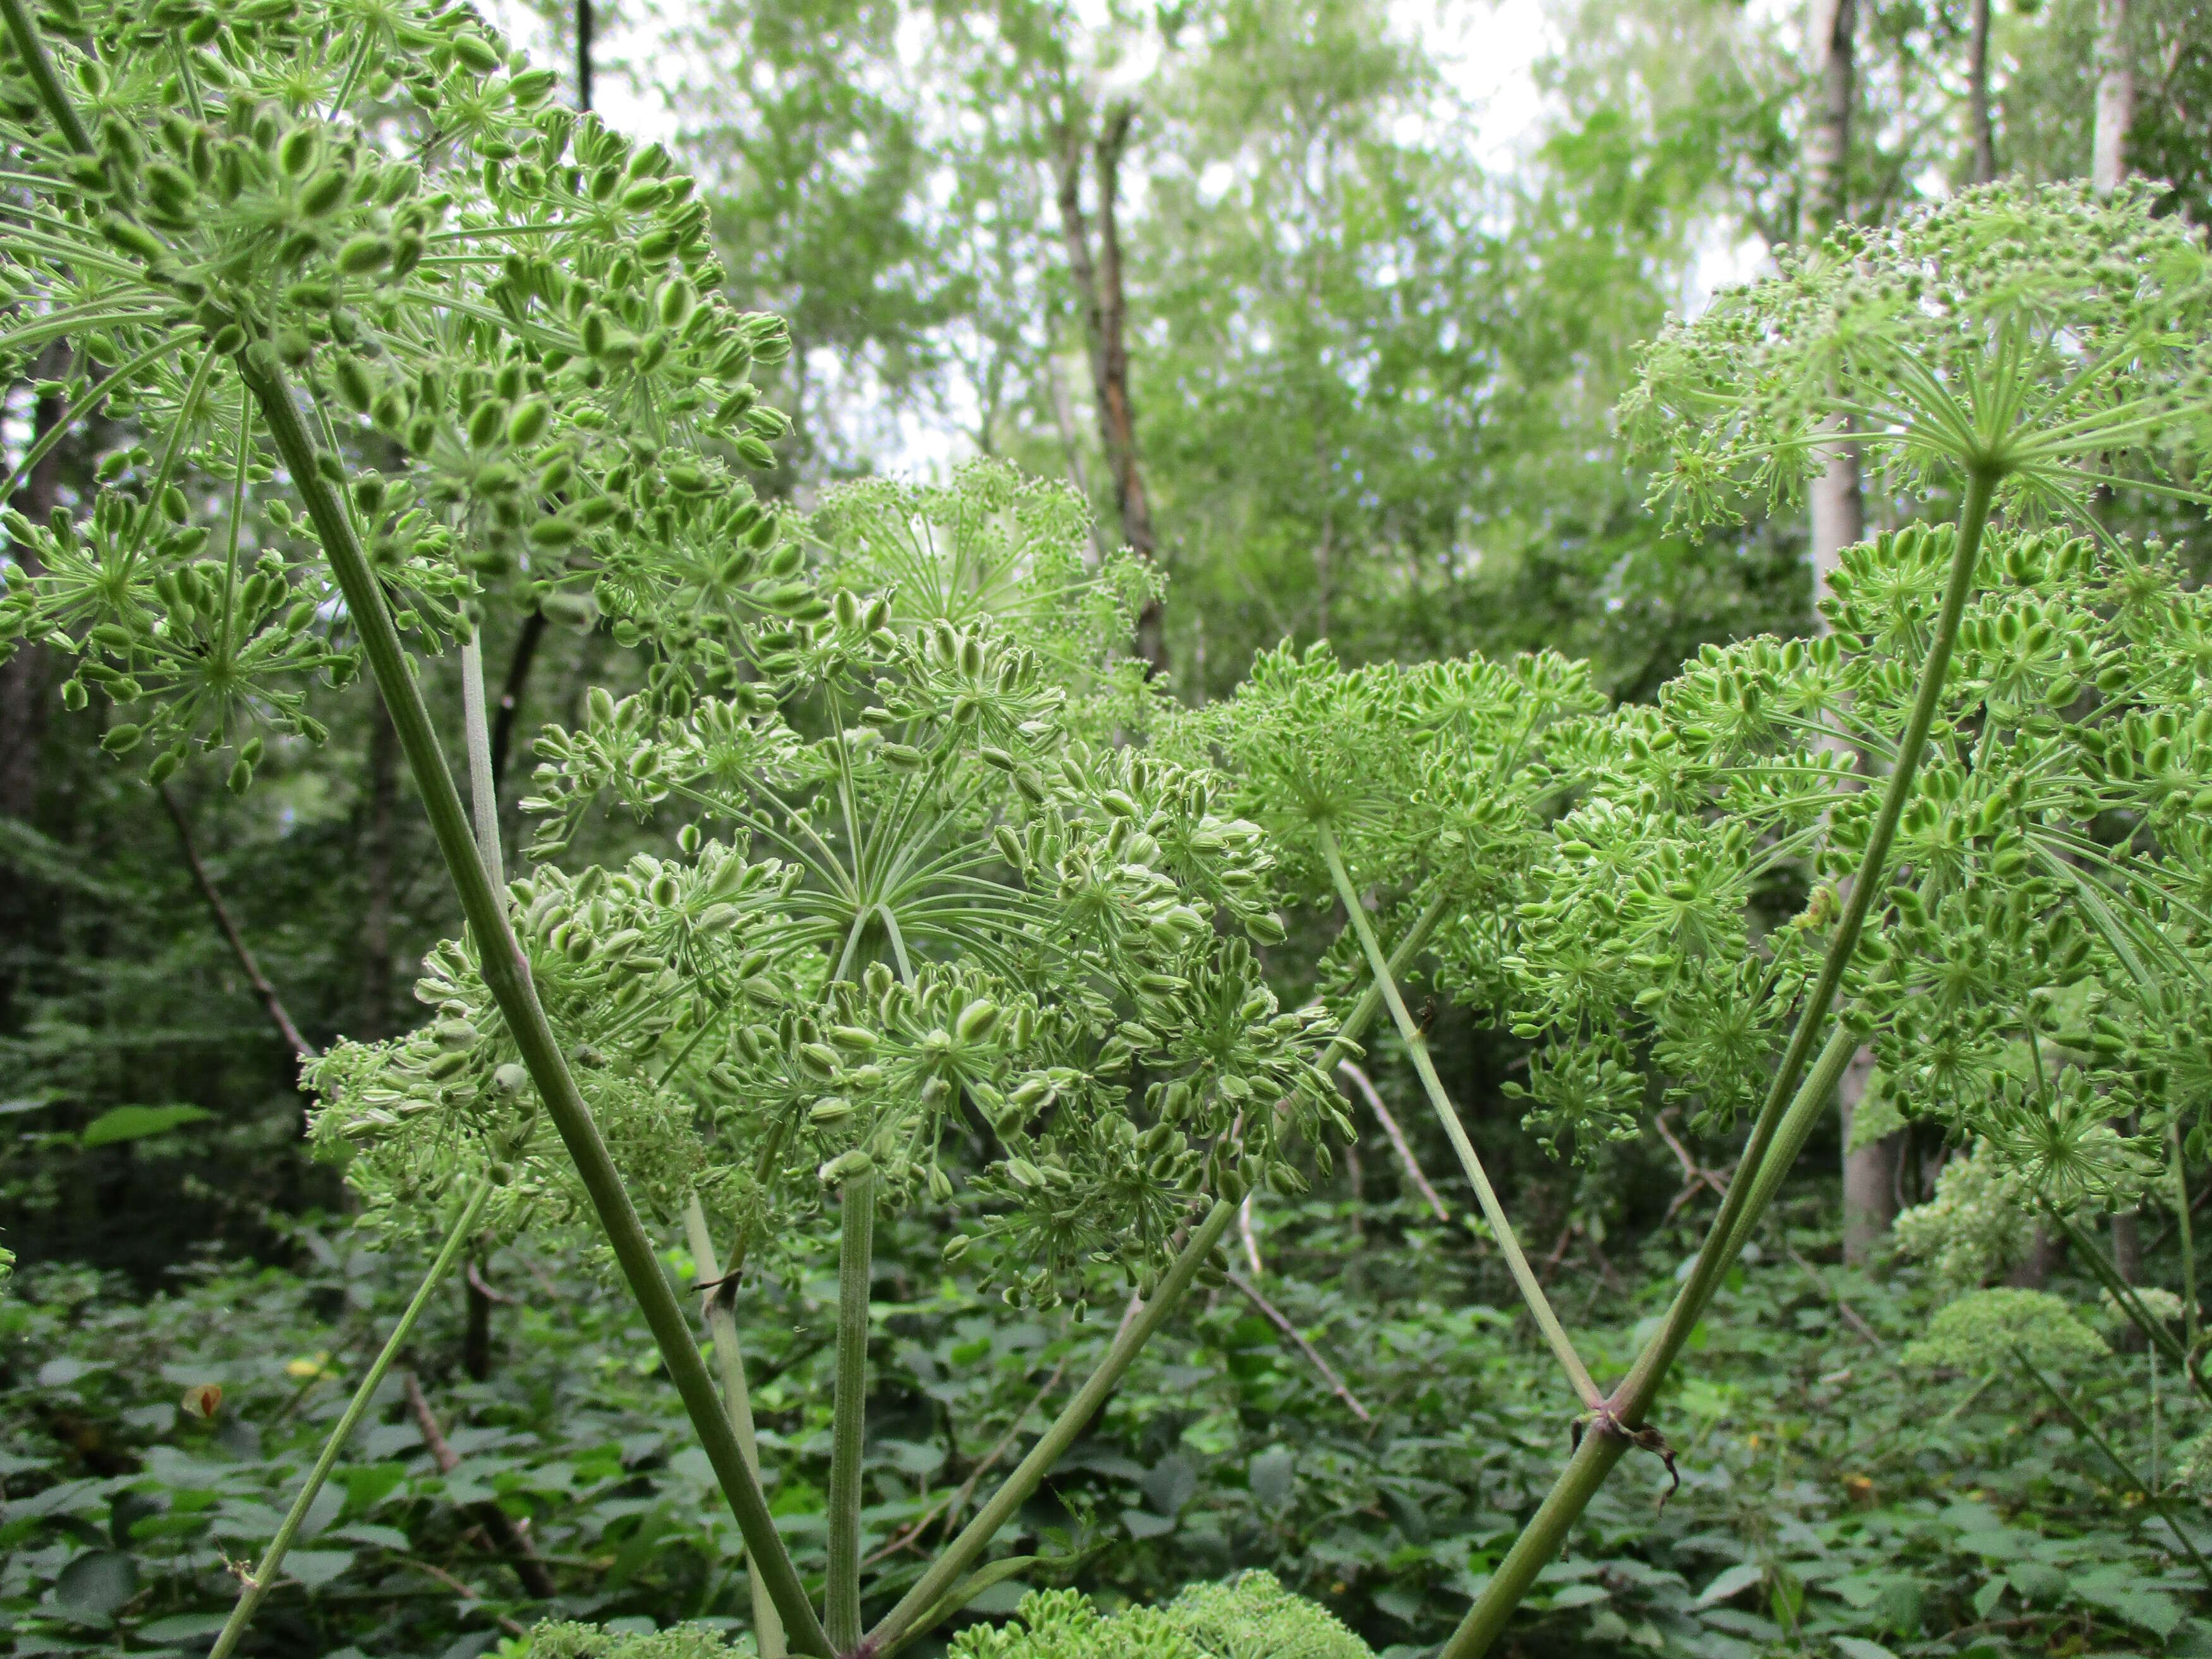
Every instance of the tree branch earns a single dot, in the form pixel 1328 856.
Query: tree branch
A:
pixel 1280 1320
pixel 511 1538
pixel 1397 1137
pixel 271 1003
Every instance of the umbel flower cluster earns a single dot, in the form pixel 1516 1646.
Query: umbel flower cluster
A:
pixel 505 320
pixel 945 943
pixel 1432 782
pixel 2040 966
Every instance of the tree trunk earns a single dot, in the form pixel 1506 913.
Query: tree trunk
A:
pixel 1869 1172
pixel 1839 520
pixel 1978 93
pixel 23 698
pixel 2116 98
pixel 527 639
pixel 2108 166
pixel 583 54
pixel 1826 196
pixel 1836 509
pixel 2034 1273
pixel 1105 326
pixel 23 676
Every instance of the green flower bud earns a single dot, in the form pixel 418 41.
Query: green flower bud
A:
pixel 321 195
pixel 297 154
pixel 676 302
pixel 475 52
pixel 485 421
pixel 527 424
pixel 364 254
pixel 353 384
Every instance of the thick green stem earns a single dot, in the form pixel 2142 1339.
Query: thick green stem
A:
pixel 2087 1430
pixel 2189 1314
pixel 265 1574
pixel 722 1327
pixel 1542 1539
pixel 1532 1291
pixel 841 1606
pixel 1804 1115
pixel 930 1593
pixel 507 975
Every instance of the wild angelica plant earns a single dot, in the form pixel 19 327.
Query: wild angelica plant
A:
pixel 2025 349
pixel 951 957
pixel 288 239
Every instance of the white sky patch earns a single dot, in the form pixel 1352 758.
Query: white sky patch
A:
pixel 1487 54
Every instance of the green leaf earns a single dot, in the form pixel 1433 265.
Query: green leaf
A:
pixel 1272 1475
pixel 181 1627
pixel 1579 1596
pixel 2036 1581
pixel 91 1588
pixel 1854 1647
pixel 122 1123
pixel 1731 1581
pixel 315 1568
pixel 2147 1609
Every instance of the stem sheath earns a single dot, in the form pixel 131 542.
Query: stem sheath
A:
pixel 484 786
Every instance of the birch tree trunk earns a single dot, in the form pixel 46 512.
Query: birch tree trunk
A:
pixel 2116 98
pixel 1984 165
pixel 2108 166
pixel 1105 305
pixel 1838 519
